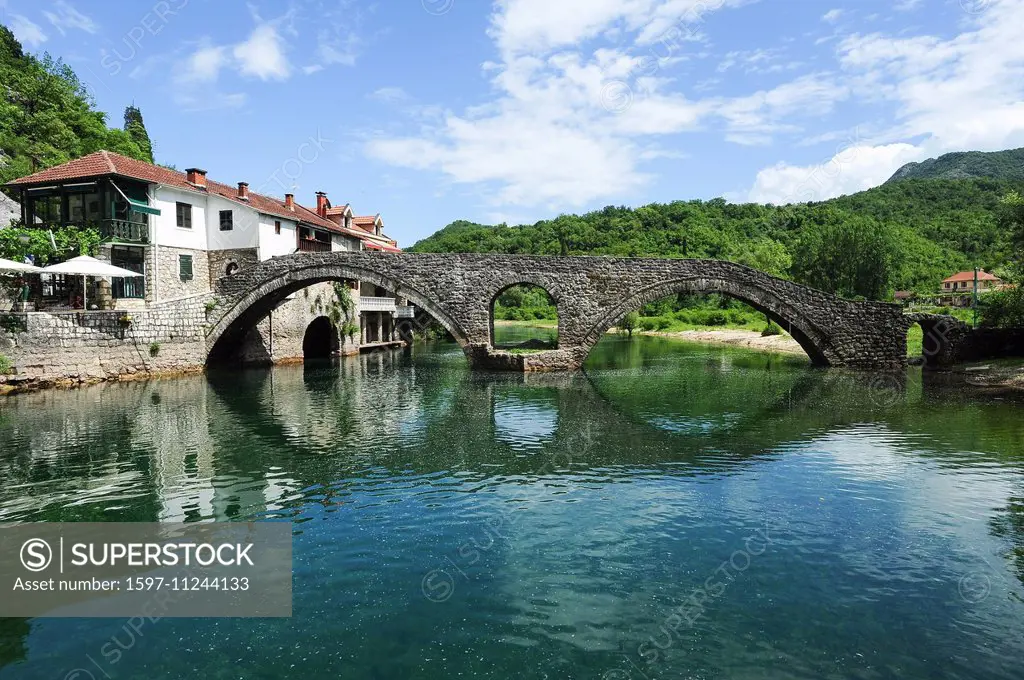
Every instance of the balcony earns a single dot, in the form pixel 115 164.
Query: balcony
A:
pixel 124 231
pixel 313 246
pixel 377 304
pixel 405 312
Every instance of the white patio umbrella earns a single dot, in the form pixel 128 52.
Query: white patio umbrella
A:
pixel 12 266
pixel 87 266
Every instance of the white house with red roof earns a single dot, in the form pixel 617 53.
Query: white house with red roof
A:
pixel 963 282
pixel 957 290
pixel 182 231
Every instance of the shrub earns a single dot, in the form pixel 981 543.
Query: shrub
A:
pixel 210 305
pixel 716 318
pixel 737 317
pixel 771 329
pixel 1003 308
pixel 648 323
pixel 630 322
pixel 663 322
pixel 154 349
pixel 5 365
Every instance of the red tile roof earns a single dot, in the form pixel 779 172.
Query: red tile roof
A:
pixel 372 245
pixel 969 276
pixel 109 163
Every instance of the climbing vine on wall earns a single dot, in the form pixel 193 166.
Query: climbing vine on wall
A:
pixel 338 309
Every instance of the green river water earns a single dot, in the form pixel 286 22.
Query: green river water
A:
pixel 676 511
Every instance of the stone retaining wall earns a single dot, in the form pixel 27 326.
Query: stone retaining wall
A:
pixel 86 346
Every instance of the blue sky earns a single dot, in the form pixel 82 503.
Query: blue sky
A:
pixel 429 111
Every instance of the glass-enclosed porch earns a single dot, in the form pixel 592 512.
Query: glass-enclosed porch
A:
pixel 116 207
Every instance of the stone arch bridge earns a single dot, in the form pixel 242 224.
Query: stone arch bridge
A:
pixel 592 294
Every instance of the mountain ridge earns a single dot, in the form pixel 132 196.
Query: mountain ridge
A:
pixel 1002 165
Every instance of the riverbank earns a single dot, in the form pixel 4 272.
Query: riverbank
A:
pixel 20 383
pixel 735 337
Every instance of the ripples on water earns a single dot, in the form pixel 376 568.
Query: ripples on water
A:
pixel 449 524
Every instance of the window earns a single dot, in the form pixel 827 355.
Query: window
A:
pixel 226 220
pixel 277 227
pixel 184 214
pixel 185 267
pixel 76 208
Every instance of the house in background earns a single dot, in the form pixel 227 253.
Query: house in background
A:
pixel 957 290
pixel 181 231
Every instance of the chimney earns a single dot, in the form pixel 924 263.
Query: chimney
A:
pixel 196 177
pixel 243 191
pixel 289 201
pixel 321 204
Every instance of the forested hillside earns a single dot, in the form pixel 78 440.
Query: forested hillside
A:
pixel 904 235
pixel 1007 165
pixel 47 116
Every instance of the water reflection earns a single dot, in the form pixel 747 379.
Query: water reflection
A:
pixel 572 514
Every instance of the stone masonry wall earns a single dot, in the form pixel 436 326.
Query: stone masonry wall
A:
pixel 171 285
pixel 219 260
pixel 279 336
pixel 98 345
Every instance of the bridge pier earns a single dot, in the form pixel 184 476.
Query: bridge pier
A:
pixel 485 358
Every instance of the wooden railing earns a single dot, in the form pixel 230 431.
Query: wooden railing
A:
pixel 311 246
pixel 123 230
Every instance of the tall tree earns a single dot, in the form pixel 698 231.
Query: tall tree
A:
pixel 849 255
pixel 47 115
pixel 136 130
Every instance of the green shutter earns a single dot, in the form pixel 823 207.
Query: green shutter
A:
pixel 185 267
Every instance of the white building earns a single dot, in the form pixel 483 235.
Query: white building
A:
pixel 183 231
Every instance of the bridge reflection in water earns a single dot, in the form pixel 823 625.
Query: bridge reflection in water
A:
pixel 388 461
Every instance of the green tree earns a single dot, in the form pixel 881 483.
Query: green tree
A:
pixel 136 130
pixel 69 241
pixel 630 322
pixel 1011 219
pixel 47 115
pixel 766 254
pixel 849 255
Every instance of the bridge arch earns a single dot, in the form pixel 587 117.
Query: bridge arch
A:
pixel 548 287
pixel 812 339
pixel 261 297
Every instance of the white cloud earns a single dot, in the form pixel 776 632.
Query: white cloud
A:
pixel 759 61
pixel 832 15
pixel 906 5
pixel 344 50
pixel 530 26
pixel 965 92
pixel 262 55
pixel 389 95
pixel 196 84
pixel 204 65
pixel 27 32
pixel 64 17
pixel 850 170
pixel 569 125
